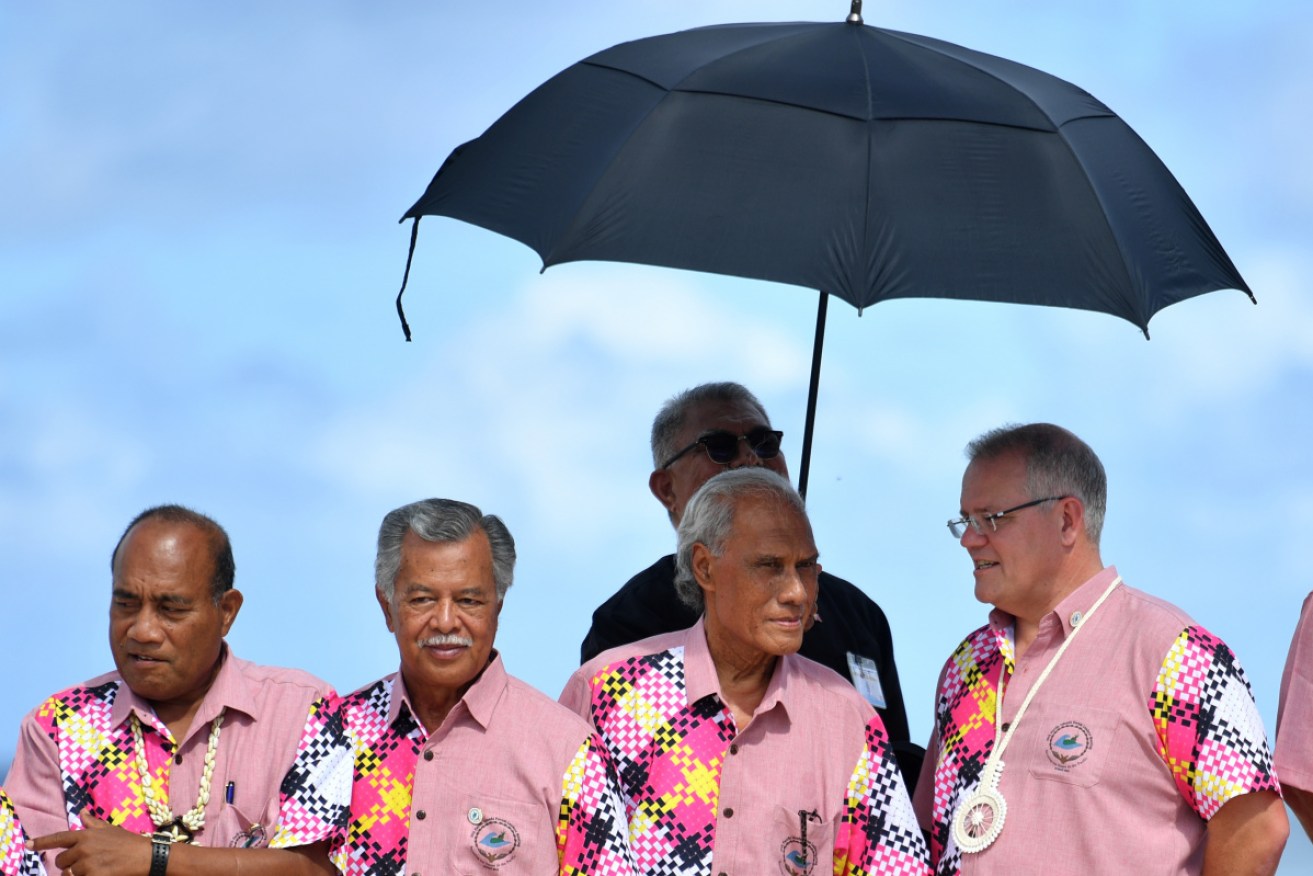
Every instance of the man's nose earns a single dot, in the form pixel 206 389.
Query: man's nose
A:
pixel 970 537
pixel 444 616
pixel 145 628
pixel 745 455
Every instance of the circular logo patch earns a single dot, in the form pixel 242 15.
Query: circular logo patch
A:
pixel 796 857
pixel 1069 744
pixel 495 841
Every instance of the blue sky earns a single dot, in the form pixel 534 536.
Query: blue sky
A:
pixel 199 251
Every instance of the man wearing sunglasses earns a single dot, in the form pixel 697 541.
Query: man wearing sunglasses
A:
pixel 696 435
pixel 1088 727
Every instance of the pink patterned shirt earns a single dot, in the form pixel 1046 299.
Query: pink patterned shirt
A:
pixel 511 783
pixel 15 857
pixel 76 751
pixel 1146 726
pixel 1294 753
pixel 810 786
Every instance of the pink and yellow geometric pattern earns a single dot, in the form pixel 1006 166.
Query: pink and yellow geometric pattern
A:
pixel 670 753
pixel 352 786
pixel 16 859
pixel 97 761
pixel 1209 733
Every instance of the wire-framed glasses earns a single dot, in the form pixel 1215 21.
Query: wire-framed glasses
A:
pixel 959 526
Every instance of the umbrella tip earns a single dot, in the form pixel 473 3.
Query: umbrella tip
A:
pixel 855 13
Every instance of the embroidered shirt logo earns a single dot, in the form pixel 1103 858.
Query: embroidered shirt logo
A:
pixel 797 857
pixel 1069 744
pixel 495 842
pixel 797 854
pixel 252 838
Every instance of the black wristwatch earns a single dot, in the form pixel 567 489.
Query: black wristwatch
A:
pixel 160 844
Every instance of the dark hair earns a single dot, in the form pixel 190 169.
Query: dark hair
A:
pixel 1057 464
pixel 225 569
pixel 670 419
pixel 441 520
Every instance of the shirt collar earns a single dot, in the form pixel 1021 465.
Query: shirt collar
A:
pixel 230 690
pixel 700 677
pixel 1058 621
pixel 480 701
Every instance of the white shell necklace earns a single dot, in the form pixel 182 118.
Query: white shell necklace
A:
pixel 979 819
pixel 177 828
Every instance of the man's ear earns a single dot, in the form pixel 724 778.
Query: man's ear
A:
pixel 387 608
pixel 229 604
pixel 701 565
pixel 1073 520
pixel 662 485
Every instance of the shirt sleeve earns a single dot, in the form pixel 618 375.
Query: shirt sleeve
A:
pixel 577 696
pixel 16 859
pixel 592 832
pixel 315 796
pixel 879 833
pixel 1209 731
pixel 1294 745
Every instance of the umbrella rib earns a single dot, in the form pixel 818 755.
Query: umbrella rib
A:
pixel 1058 130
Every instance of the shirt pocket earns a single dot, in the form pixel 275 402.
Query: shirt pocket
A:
pixel 506 836
pixel 243 832
pixel 794 854
pixel 1068 744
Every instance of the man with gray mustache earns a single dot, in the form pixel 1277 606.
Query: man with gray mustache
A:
pixel 451 765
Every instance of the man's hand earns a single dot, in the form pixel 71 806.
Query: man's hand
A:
pixel 101 849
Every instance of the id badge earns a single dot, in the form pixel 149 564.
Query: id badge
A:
pixel 866 678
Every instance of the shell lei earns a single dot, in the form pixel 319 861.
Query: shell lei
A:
pixel 176 828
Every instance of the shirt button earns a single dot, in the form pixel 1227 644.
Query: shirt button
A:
pixel 734 748
pixel 428 755
pixel 177 758
pixel 421 814
pixel 1007 725
pixel 729 812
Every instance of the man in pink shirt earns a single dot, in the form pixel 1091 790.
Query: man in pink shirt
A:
pixel 1294 754
pixel 184 743
pixel 451 765
pixel 1127 739
pixel 738 756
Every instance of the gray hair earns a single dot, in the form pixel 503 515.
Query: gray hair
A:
pixel 221 548
pixel 709 519
pixel 441 520
pixel 670 419
pixel 1057 464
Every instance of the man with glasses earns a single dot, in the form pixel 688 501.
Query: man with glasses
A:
pixel 1088 726
pixel 696 435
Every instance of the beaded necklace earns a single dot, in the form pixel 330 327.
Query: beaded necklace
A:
pixel 178 828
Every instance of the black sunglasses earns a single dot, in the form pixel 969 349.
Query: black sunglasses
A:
pixel 723 447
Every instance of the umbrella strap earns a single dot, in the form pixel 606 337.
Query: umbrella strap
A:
pixel 405 278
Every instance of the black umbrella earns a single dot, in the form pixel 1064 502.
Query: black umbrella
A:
pixel 861 162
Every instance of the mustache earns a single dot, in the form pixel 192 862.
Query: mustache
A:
pixel 446 641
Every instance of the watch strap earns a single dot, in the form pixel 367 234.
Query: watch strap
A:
pixel 159 854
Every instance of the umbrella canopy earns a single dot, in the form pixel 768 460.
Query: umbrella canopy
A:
pixel 857 161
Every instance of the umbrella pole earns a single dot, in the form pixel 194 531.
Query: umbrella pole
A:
pixel 811 394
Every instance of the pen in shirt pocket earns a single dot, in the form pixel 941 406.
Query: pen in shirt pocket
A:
pixel 228 793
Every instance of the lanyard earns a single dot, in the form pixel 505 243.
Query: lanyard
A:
pixel 979 819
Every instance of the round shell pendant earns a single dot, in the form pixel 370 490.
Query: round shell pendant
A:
pixel 978 821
